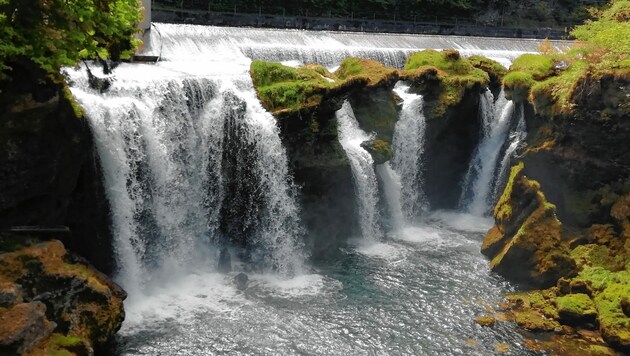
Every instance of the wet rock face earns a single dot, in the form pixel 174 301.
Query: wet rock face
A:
pixel 23 326
pixel 60 303
pixel 526 243
pixel 49 173
pixel 322 171
pixel 449 145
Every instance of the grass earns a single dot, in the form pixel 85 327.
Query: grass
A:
pixel 537 65
pixel 285 89
pixel 455 73
pixel 558 80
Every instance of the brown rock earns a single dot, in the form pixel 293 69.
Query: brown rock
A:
pixel 23 326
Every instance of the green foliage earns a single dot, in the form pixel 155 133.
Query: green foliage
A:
pixel 56 33
pixel 537 65
pixel 603 50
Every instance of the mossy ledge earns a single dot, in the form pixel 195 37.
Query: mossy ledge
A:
pixel 444 76
pixel 56 303
pixel 283 90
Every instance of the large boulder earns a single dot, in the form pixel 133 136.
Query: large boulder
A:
pixel 59 301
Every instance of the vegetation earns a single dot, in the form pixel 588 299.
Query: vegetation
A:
pixel 554 80
pixel 526 13
pixel 285 89
pixel 455 73
pixel 56 33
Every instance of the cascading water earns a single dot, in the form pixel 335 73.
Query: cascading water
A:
pixel 392 190
pixel 408 146
pixel 165 141
pixel 366 186
pixel 478 182
pixel 191 160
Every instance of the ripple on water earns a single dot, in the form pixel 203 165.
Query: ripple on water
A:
pixel 416 293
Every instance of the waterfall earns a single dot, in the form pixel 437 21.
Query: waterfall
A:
pixel 495 123
pixel 327 48
pixel 166 140
pixel 408 146
pixel 366 186
pixel 392 190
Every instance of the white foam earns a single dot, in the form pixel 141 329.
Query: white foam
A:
pixel 462 221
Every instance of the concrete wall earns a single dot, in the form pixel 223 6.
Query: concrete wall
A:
pixel 146 22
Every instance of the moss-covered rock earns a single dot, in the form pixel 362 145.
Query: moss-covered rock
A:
pixel 609 289
pixel 526 243
pixel 282 89
pixel 485 320
pixel 380 150
pixel 495 70
pixel 443 77
pixel 83 306
pixel 576 309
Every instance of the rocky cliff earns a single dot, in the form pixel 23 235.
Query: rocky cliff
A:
pixel 49 172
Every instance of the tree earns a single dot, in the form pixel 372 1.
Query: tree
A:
pixel 56 33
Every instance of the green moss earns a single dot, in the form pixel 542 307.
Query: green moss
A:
pixel 65 341
pixel 493 68
pixel 593 255
pixel 537 65
pixel 553 96
pixel 600 52
pixel 281 88
pixel 576 304
pixel 503 209
pixel 455 73
pixel 517 85
pixel 76 108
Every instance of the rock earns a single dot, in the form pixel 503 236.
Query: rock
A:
pixel 84 304
pixel 9 294
pixel 380 150
pixel 577 310
pixel 49 171
pixel 241 280
pixel 564 286
pixel 625 306
pixel 526 243
pixel 225 261
pixel 485 320
pixel 22 327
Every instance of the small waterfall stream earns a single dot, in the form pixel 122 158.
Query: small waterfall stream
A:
pixel 408 146
pixel 392 190
pixel 366 186
pixel 495 123
pixel 497 144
